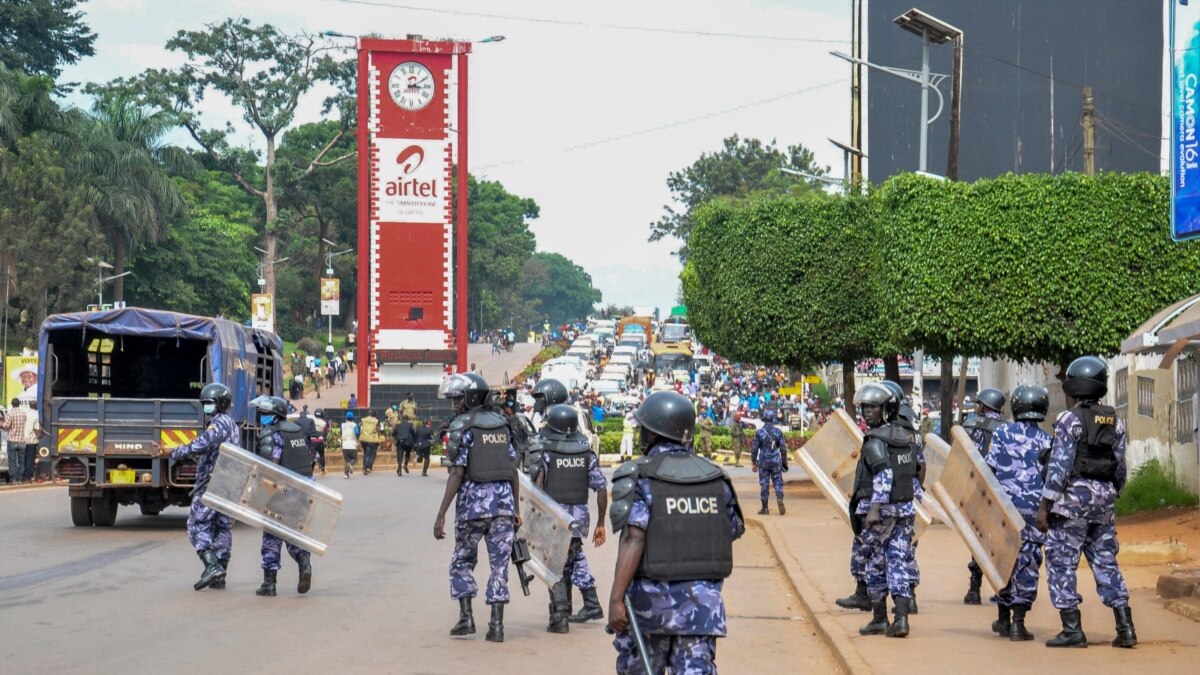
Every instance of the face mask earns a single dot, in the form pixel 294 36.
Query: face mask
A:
pixel 266 420
pixel 210 408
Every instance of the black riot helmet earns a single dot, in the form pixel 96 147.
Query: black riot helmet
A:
pixel 468 389
pixel 562 420
pixel 1087 379
pixel 875 393
pixel 216 395
pixel 1030 403
pixel 548 392
pixel 667 414
pixel 906 410
pixel 991 398
pixel 272 405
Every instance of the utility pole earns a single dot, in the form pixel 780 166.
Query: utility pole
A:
pixel 947 371
pixel 1089 133
pixel 854 176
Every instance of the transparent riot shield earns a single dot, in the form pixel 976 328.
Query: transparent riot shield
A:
pixel 546 527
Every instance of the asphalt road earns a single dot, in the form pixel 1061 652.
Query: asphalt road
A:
pixel 86 599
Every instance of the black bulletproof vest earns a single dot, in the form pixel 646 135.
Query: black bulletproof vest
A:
pixel 1095 455
pixel 988 426
pixel 488 460
pixel 567 471
pixel 689 535
pixel 296 455
pixel 902 458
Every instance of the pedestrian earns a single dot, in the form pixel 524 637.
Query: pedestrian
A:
pixel 350 359
pixel 369 437
pixel 671 562
pixel 353 400
pixel 1085 474
pixel 405 437
pixel 705 436
pixel 316 377
pixel 768 458
pixel 989 410
pixel 882 509
pixel 495 344
pixel 567 470
pixel 14 424
pixel 342 370
pixel 329 352
pixel 210 532
pixel 484 484
pixel 628 427
pixel 349 445
pixel 331 375
pixel 284 443
pixel 424 444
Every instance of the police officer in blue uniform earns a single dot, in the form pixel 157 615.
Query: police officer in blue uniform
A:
pixel 989 409
pixel 678 517
pixel 285 443
pixel 1085 474
pixel 768 457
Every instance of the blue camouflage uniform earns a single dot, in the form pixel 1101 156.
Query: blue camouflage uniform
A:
pixel 680 620
pixel 581 523
pixel 914 570
pixel 1014 458
pixel 766 452
pixel 1081 519
pixel 886 547
pixel 482 511
pixel 272 546
pixel 208 529
pixel 978 437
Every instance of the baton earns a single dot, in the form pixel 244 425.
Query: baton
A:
pixel 637 635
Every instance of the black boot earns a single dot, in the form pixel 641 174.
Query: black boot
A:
pixel 496 624
pixel 912 601
pixel 220 585
pixel 591 607
pixel 763 511
pixel 268 585
pixel 1002 622
pixel 782 508
pixel 466 619
pixel 1072 633
pixel 213 572
pixel 559 612
pixel 1126 637
pixel 972 596
pixel 304 560
pixel 858 599
pixel 899 627
pixel 1016 631
pixel 879 622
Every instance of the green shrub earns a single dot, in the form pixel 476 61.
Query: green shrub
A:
pixel 611 424
pixel 610 443
pixel 310 347
pixel 1152 486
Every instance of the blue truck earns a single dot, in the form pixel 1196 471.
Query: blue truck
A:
pixel 118 382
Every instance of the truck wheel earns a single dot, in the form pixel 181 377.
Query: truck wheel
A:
pixel 104 511
pixel 81 511
pixel 150 509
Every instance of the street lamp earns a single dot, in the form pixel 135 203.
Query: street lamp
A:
pixel 329 256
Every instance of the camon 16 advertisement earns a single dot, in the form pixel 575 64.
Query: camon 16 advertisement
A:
pixel 1185 147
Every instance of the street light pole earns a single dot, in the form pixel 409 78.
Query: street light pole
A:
pixel 924 157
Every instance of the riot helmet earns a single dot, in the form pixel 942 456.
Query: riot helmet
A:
pixel 768 416
pixel 562 420
pixel 666 414
pixel 990 398
pixel 548 392
pixel 270 409
pixel 875 394
pixel 466 390
pixel 1087 379
pixel 215 398
pixel 1030 403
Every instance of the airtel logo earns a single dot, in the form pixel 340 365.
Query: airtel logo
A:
pixel 410 159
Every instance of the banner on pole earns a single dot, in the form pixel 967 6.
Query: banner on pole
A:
pixel 261 312
pixel 330 297
pixel 1185 148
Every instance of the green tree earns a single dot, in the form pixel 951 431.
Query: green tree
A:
pixel 26 105
pixel 561 290
pixel 743 167
pixel 38 36
pixel 499 243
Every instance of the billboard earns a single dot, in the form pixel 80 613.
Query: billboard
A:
pixel 20 378
pixel 261 312
pixel 1185 151
pixel 331 295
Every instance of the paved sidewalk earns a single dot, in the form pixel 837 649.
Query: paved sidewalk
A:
pixel 813 544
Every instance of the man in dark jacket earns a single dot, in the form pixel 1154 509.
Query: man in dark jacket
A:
pixel 424 442
pixel 405 437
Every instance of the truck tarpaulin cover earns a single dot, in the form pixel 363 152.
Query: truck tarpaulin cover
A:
pixel 230 345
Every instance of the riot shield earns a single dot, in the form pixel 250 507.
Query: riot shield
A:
pixel 936 452
pixel 979 509
pixel 830 457
pixel 546 527
pixel 294 508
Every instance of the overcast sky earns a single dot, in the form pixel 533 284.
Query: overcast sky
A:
pixel 585 108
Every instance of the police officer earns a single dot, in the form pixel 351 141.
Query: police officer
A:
pixel 768 457
pixel 547 392
pixel 678 516
pixel 882 509
pixel 1017 451
pixel 566 471
pixel 907 420
pixel 1085 474
pixel 519 425
pixel 706 432
pixel 210 533
pixel 483 481
pixel 408 409
pixel 989 411
pixel 284 443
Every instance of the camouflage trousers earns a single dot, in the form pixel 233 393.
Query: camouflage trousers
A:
pixel 886 547
pixel 704 446
pixel 914 570
pixel 767 477
pixel 683 654
pixel 209 530
pixel 272 547
pixel 1067 538
pixel 498 533
pixel 1022 588
pixel 858 559
pixel 576 570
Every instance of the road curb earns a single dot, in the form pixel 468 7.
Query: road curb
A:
pixel 829 632
pixel 26 488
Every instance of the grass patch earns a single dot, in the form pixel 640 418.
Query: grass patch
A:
pixel 1153 486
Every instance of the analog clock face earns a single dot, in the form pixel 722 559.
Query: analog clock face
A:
pixel 411 85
